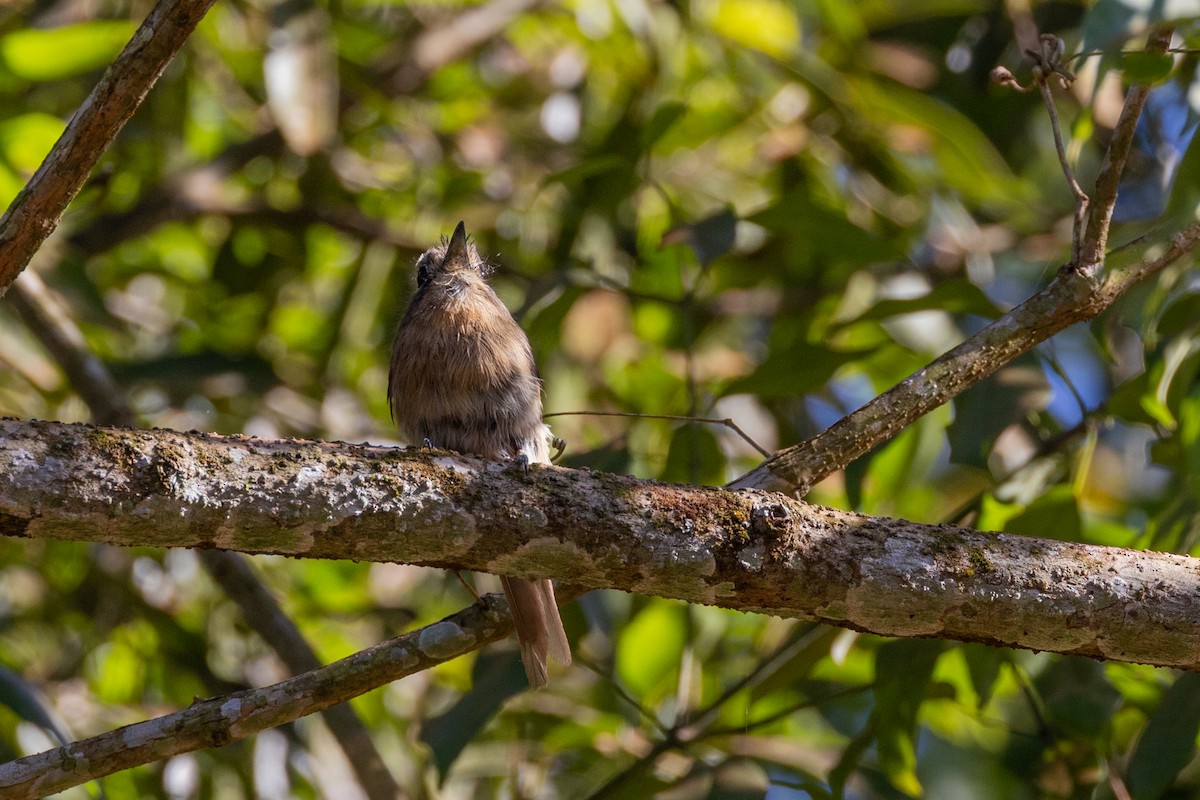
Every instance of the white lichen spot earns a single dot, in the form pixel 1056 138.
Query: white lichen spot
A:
pixel 454 465
pixel 751 557
pixel 231 709
pixel 308 475
pixel 404 657
pixel 444 640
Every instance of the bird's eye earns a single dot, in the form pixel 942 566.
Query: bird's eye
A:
pixel 423 272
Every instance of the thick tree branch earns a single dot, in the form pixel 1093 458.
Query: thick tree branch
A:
pixel 35 212
pixel 222 720
pixel 746 550
pixel 1071 297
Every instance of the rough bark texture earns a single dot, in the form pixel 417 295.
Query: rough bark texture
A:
pixel 747 550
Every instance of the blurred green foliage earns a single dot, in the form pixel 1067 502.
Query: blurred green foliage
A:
pixel 761 210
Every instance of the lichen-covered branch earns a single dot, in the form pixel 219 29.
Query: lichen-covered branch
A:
pixel 222 720
pixel 35 212
pixel 747 550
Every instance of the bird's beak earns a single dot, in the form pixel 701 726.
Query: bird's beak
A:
pixel 456 251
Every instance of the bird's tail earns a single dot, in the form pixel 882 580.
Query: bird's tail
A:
pixel 539 626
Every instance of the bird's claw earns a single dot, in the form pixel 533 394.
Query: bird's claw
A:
pixel 521 461
pixel 560 445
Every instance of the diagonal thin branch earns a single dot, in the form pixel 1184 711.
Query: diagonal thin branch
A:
pixel 222 720
pixel 1104 196
pixel 1075 295
pixel 37 209
pixel 1071 297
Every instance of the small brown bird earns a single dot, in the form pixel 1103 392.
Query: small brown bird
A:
pixel 463 378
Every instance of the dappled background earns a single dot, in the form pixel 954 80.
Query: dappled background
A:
pixel 760 211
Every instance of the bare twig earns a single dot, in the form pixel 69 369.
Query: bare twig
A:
pixel 35 212
pixel 1104 197
pixel 222 720
pixel 1073 296
pixel 1048 64
pixel 46 318
pixel 728 423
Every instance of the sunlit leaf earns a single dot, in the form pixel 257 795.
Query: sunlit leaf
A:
pixel 650 646
pixel 52 54
pixel 1055 515
pixel 766 25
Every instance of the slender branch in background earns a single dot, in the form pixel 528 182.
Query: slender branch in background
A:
pixel 1048 64
pixel 728 423
pixel 1075 295
pixel 262 612
pixel 1104 197
pixel 58 333
pixel 216 722
pixel 37 209
pixel 49 322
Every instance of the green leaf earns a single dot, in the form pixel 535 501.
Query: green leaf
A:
pixel 1054 515
pixel 903 670
pixel 1168 742
pixel 1145 67
pixel 588 169
pixel 800 369
pixel 824 232
pixel 694 457
pixel 766 25
pixel 661 121
pixel 27 703
pixel 968 160
pixel 983 664
pixel 25 140
pixel 651 645
pixel 497 676
pixel 710 238
pixel 1078 697
pixel 57 53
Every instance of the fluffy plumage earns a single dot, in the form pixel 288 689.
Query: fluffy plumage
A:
pixel 463 378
